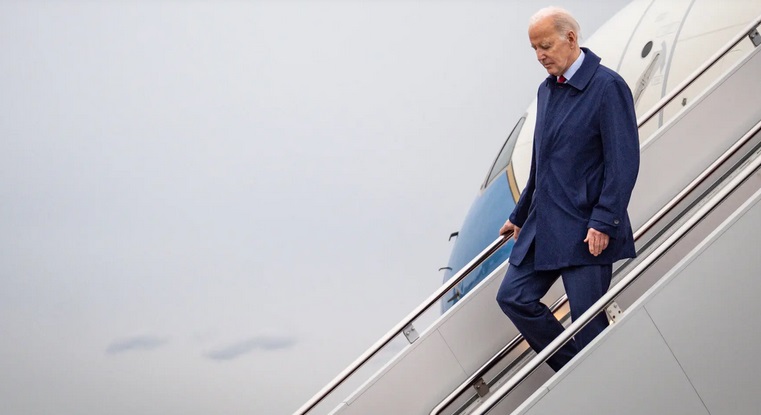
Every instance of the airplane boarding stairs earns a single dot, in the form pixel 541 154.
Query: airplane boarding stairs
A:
pixel 689 345
pixel 684 164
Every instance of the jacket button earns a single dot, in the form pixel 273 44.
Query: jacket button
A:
pixel 616 222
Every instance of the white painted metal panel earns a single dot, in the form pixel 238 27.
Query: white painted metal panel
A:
pixel 709 26
pixel 477 328
pixel 660 25
pixel 707 315
pixel 418 379
pixel 411 384
pixel 607 41
pixel 644 380
pixel 453 348
pixel 695 138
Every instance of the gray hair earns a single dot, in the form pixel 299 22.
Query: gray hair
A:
pixel 564 21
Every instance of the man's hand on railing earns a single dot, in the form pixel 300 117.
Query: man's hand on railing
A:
pixel 510 227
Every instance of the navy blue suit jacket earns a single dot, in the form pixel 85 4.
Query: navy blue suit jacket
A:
pixel 583 169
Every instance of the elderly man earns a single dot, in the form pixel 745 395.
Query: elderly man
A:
pixel 571 218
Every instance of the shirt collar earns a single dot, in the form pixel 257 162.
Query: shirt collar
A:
pixel 574 66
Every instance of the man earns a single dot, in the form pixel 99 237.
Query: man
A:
pixel 571 218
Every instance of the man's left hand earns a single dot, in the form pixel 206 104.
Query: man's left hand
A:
pixel 597 241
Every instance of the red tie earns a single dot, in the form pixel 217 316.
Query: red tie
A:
pixel 561 79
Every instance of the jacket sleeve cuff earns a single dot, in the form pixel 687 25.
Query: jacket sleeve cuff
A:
pixel 515 221
pixel 606 223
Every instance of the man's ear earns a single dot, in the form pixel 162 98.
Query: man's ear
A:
pixel 571 37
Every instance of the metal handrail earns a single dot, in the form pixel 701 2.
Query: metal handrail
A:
pixel 655 218
pixel 700 71
pixel 606 299
pixel 374 349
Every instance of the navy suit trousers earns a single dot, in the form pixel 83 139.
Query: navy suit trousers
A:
pixel 522 289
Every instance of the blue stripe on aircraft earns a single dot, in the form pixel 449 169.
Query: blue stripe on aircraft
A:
pixel 488 213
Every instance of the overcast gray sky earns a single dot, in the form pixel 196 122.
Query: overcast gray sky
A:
pixel 215 206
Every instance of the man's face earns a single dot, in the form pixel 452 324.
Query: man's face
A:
pixel 554 51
